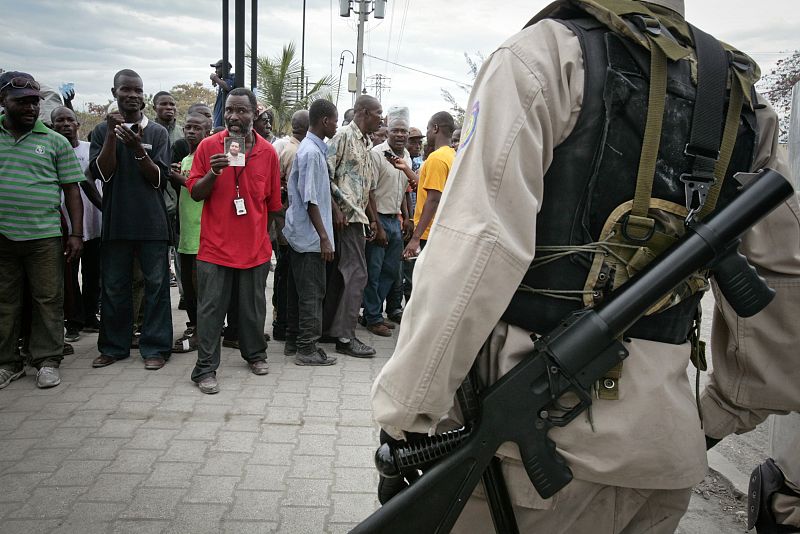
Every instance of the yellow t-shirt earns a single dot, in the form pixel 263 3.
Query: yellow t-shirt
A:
pixel 433 175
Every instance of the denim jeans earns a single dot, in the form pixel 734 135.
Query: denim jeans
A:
pixel 383 266
pixel 305 292
pixel 41 261
pixel 116 326
pixel 214 288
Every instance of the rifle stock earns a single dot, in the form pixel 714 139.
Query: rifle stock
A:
pixel 522 406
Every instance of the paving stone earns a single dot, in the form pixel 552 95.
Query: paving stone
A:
pixel 15 449
pixel 357 435
pixel 272 453
pixel 318 425
pixel 284 415
pixel 99 401
pixel 113 487
pixel 137 526
pixel 18 487
pixel 76 473
pixel 119 428
pixel 134 461
pixel 33 428
pixel 199 430
pixel 84 513
pixel 356 418
pixel 305 519
pixel 307 493
pixel 316 445
pixel 264 477
pixel 279 433
pixel 59 410
pixel 355 402
pixel 135 410
pixel 328 410
pixel 354 479
pixel 235 442
pixel 82 525
pixel 85 418
pixel 211 489
pixel 311 467
pixel 171 475
pixel 30 526
pixel 243 423
pixel 153 503
pixel 347 506
pixel 178 404
pixel 65 437
pixel 224 464
pixel 323 395
pixel 256 505
pixel 250 406
pixel 254 392
pixel 197 519
pixel 248 527
pixel 330 381
pixel 39 461
pixel 166 420
pixel 98 449
pixel 289 399
pixel 151 439
pixel 186 451
pixel 45 503
pixel 354 456
pixel 292 386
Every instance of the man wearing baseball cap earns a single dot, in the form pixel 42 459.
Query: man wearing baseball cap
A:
pixel 223 79
pixel 36 165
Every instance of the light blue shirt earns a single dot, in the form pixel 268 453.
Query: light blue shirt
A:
pixel 309 183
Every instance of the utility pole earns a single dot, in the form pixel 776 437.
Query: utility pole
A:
pixel 362 8
pixel 378 83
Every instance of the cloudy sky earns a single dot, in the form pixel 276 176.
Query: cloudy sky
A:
pixel 173 42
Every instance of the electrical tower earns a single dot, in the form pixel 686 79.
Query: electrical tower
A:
pixel 377 83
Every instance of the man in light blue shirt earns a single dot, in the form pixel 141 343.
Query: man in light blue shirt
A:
pixel 309 232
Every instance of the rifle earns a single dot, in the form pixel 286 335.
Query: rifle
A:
pixel 523 405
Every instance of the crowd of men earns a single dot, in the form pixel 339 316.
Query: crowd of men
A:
pixel 90 245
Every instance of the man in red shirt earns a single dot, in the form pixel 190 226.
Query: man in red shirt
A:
pixel 234 243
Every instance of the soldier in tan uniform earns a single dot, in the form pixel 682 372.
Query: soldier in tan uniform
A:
pixel 635 458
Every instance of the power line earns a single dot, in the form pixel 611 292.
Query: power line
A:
pixel 418 70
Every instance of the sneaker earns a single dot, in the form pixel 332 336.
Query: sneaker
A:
pixel 379 329
pixel 48 377
pixel 209 385
pixel 173 282
pixel 355 348
pixel 73 334
pixel 315 358
pixel 186 343
pixel 396 317
pixel 258 367
pixel 6 376
pixel 135 339
pixel 68 350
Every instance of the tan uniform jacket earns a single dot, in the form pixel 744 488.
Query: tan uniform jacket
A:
pixel 526 100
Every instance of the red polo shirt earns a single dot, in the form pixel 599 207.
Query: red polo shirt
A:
pixel 238 241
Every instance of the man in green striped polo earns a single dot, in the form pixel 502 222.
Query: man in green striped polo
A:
pixel 36 164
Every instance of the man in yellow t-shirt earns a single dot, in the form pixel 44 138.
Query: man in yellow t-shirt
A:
pixel 432 178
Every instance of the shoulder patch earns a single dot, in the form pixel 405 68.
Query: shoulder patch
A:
pixel 39 149
pixel 472 124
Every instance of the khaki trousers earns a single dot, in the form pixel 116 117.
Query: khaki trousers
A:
pixel 580 508
pixel 785 450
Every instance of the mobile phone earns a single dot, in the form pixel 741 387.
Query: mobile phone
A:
pixel 389 155
pixel 368 233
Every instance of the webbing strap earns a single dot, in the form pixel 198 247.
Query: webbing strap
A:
pixel 639 224
pixel 705 138
pixel 726 149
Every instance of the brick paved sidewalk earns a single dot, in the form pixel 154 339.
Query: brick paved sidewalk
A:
pixel 122 449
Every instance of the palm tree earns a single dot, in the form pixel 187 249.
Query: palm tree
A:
pixel 279 85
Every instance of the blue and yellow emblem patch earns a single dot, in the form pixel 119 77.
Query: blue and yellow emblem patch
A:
pixel 472 123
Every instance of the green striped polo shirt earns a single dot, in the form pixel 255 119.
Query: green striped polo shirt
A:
pixel 32 170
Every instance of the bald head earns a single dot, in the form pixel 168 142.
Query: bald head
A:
pixel 300 123
pixel 368 114
pixel 366 102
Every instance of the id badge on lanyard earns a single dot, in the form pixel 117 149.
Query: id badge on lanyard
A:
pixel 238 202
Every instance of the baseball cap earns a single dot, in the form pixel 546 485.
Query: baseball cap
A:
pixel 414 132
pixel 220 63
pixel 19 84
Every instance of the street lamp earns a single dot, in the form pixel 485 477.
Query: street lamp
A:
pixel 362 8
pixel 341 69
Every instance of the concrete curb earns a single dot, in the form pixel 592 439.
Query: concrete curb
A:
pixel 738 480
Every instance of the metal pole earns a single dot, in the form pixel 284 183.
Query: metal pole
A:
pixel 362 18
pixel 254 45
pixel 238 39
pixel 303 52
pixel 225 33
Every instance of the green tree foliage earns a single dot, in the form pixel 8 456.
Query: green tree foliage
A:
pixel 777 88
pixel 280 86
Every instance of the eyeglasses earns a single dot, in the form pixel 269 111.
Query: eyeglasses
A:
pixel 21 83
